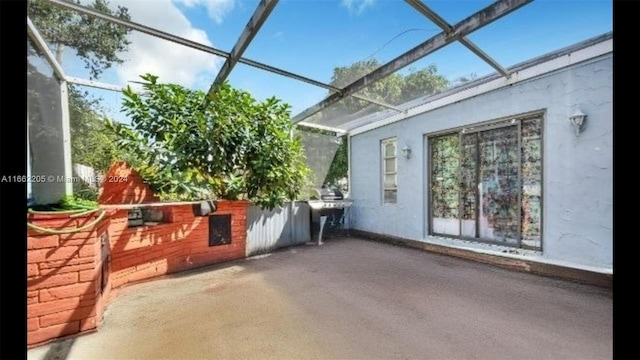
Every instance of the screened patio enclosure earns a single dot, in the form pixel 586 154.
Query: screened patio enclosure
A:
pixel 421 38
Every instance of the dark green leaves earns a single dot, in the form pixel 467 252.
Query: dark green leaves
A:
pixel 99 43
pixel 235 148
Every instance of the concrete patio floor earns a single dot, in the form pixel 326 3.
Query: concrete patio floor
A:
pixel 350 299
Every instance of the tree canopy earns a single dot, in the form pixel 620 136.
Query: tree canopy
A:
pixel 393 89
pixel 98 43
pixel 234 148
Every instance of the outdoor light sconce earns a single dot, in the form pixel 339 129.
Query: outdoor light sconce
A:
pixel 577 120
pixel 406 151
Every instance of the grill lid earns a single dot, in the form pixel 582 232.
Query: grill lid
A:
pixel 326 193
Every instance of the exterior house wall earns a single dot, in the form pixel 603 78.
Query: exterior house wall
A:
pixel 577 171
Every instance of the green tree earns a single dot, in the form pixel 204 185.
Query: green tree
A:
pixel 465 79
pixel 234 148
pixel 423 82
pixel 92 141
pixel 100 45
pixel 97 42
pixel 393 89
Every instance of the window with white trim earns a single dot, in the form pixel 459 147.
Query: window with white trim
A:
pixel 389 171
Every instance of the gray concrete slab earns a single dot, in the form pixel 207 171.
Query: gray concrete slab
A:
pixel 350 299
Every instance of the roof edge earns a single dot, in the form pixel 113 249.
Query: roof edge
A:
pixel 571 55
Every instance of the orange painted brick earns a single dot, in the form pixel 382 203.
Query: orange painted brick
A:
pixel 63 292
pixel 51 307
pixel 40 242
pixel 126 261
pixel 56 264
pixel 173 252
pixel 87 251
pixel 88 323
pixel 78 242
pixel 152 263
pixel 152 255
pixel 32 297
pixel 118 223
pixel 33 324
pixel 35 256
pixel 89 235
pixel 117 282
pixel 44 282
pixel 138 242
pixel 52 332
pixel 55 223
pixel 66 269
pixel 66 316
pixel 162 268
pixel 32 270
pixel 87 275
pixel 144 274
pixel 87 302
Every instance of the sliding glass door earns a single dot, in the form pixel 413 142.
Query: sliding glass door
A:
pixel 485 183
pixel 444 185
pixel 498 179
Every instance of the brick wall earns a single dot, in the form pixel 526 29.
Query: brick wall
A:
pixel 123 185
pixel 144 252
pixel 63 284
pixel 65 295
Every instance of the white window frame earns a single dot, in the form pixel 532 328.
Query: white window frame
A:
pixel 385 171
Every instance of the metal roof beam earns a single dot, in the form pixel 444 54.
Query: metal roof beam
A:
pixel 381 103
pixel 258 18
pixel 484 56
pixel 138 27
pixel 37 39
pixel 474 22
pixel 338 131
pixel 182 41
pixel 444 25
pixel 94 84
pixel 197 46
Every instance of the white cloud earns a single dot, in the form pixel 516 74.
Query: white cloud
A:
pixel 216 9
pixel 170 61
pixel 356 7
pixel 278 34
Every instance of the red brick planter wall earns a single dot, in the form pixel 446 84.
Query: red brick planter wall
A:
pixel 123 185
pixel 63 281
pixel 65 295
pixel 144 252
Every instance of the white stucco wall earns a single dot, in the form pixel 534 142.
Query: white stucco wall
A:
pixel 577 180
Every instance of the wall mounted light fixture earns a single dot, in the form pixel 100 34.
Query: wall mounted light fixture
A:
pixel 577 120
pixel 406 151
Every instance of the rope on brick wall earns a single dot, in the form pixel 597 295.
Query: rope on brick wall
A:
pixel 70 231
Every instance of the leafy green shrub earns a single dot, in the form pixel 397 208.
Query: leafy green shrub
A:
pixel 232 148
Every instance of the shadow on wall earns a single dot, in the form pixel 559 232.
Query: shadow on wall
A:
pixel 265 229
pixel 123 185
pixel 66 293
pixel 268 230
pixel 142 252
pixel 63 281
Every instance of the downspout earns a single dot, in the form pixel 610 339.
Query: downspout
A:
pixel 292 229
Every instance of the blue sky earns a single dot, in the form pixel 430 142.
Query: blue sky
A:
pixel 312 37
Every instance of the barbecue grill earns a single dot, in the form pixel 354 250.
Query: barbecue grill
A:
pixel 329 209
